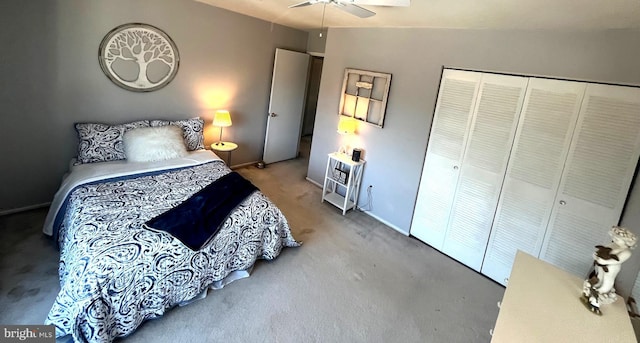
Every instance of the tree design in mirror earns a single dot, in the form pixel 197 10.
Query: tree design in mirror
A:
pixel 364 95
pixel 139 57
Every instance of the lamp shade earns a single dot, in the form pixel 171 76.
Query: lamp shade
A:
pixel 346 125
pixel 222 118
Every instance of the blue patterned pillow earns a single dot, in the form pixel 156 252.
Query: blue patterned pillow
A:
pixel 103 142
pixel 192 130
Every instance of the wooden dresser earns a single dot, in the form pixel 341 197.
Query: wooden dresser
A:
pixel 542 304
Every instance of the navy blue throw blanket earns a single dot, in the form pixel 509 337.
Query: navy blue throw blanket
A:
pixel 200 217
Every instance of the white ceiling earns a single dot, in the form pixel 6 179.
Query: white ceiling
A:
pixel 474 14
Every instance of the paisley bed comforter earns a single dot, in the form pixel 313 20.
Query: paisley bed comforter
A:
pixel 115 274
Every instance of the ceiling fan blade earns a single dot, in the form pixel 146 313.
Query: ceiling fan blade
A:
pixel 354 9
pixel 302 4
pixel 388 3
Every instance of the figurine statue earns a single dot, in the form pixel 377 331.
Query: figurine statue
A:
pixel 607 262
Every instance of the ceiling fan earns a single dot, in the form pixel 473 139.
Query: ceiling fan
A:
pixel 351 6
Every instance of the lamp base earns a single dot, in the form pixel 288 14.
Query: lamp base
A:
pixel 345 149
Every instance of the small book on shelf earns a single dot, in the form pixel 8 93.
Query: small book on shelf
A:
pixel 340 175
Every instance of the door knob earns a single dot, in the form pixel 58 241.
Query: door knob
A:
pixel 273 114
pixel 562 202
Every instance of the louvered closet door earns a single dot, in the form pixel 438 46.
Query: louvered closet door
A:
pixel 635 292
pixel 454 107
pixel 595 182
pixel 483 167
pixel 539 152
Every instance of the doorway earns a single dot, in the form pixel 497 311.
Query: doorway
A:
pixel 309 116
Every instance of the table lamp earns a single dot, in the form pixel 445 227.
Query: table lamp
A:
pixel 346 126
pixel 221 119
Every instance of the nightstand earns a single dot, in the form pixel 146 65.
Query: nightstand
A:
pixel 342 181
pixel 227 147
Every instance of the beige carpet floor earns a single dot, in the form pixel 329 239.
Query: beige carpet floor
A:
pixel 353 280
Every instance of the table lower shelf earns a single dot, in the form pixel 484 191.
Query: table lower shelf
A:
pixel 338 200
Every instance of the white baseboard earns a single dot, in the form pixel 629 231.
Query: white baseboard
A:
pixel 313 182
pixel 22 209
pixel 385 222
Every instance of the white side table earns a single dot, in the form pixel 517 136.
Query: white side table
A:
pixel 227 147
pixel 342 181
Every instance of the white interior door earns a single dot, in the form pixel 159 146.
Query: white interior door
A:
pixel 548 118
pixel 600 166
pixel 485 160
pixel 286 105
pixel 454 109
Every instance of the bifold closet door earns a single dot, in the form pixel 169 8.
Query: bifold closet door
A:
pixel 483 166
pixel 449 130
pixel 537 159
pixel 635 292
pixel 600 166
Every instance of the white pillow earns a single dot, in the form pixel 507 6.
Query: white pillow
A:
pixel 154 143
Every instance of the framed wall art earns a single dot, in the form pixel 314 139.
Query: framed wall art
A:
pixel 139 57
pixel 364 95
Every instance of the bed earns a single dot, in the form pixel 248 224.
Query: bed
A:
pixel 116 272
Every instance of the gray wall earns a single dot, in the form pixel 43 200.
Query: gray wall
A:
pixel 51 78
pixel 315 43
pixel 415 58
